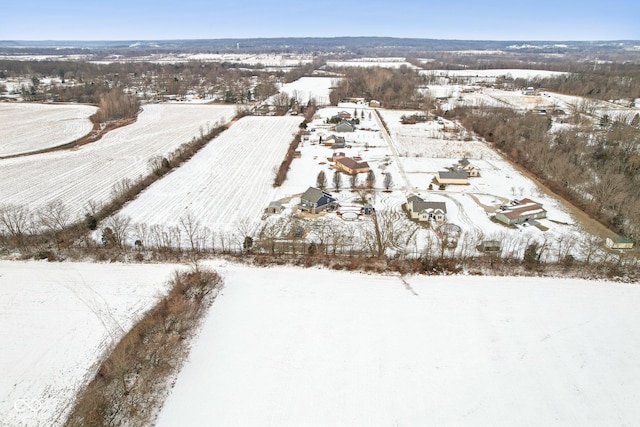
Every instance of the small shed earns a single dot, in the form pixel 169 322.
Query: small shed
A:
pixel 274 207
pixel 490 246
pixel 618 242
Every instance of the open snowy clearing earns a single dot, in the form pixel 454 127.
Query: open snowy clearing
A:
pixel 300 347
pixel 229 180
pixel 306 88
pixel 372 62
pixel 490 75
pixel 56 321
pixel 90 172
pixel 29 127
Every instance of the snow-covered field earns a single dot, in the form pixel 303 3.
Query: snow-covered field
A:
pixel 306 88
pixel 90 172
pixel 309 347
pixel 490 76
pixel 56 320
pixel 229 180
pixel 372 62
pixel 29 127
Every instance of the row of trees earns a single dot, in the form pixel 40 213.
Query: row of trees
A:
pixel 395 88
pixel 85 82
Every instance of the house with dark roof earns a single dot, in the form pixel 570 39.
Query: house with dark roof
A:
pixel 421 210
pixel 350 166
pixel 525 211
pixel 466 166
pixel 315 200
pixel 345 126
pixel 455 177
pixel 333 140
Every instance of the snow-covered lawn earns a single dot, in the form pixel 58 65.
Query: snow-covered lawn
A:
pixel 301 347
pixel 306 88
pixel 90 172
pixel 230 180
pixel 56 320
pixel 28 127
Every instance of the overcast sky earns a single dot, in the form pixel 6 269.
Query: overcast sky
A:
pixel 200 19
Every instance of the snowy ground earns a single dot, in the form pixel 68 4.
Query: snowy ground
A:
pixel 302 347
pixel 372 62
pixel 306 88
pixel 90 172
pixel 56 320
pixel 490 76
pixel 28 127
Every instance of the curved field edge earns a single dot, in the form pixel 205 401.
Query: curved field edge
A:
pixel 29 128
pixel 90 173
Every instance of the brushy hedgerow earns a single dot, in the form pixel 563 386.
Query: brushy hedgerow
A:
pixel 129 385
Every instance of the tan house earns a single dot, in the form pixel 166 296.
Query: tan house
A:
pixel 455 177
pixel 524 211
pixel 470 169
pixel 350 166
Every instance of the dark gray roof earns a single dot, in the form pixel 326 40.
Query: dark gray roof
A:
pixel 452 175
pixel 420 205
pixel 464 162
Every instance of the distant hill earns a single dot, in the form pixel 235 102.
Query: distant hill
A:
pixel 309 44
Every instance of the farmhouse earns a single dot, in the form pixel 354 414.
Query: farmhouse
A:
pixel 466 166
pixel 456 177
pixel 618 243
pixel 524 211
pixel 426 211
pixel 333 140
pixel 315 200
pixel 345 126
pixel 350 166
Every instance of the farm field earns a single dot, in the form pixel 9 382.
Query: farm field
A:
pixel 372 62
pixel 227 184
pixel 306 88
pixel 89 173
pixel 29 127
pixel 56 321
pixel 290 347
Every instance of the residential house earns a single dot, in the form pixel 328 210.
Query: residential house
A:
pixel 345 126
pixel 337 155
pixel 524 211
pixel 332 140
pixel 374 104
pixel 350 166
pixel 344 115
pixel 422 210
pixel 455 177
pixel 315 200
pixel 618 243
pixel 470 169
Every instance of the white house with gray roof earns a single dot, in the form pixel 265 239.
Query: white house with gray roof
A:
pixel 421 210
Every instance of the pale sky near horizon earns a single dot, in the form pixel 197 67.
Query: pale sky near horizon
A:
pixel 200 19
